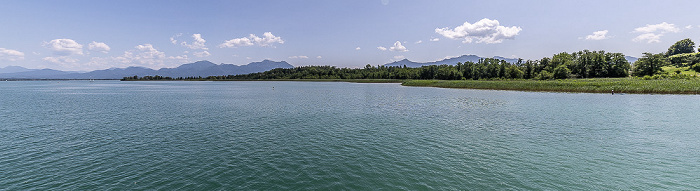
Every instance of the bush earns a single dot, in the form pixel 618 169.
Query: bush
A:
pixel 544 75
pixel 696 67
pixel 561 72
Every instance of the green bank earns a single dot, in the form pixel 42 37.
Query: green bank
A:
pixel 597 85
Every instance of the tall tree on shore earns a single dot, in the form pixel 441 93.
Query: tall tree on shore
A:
pixel 680 47
pixel 649 64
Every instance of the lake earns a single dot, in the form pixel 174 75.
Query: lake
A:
pixel 112 135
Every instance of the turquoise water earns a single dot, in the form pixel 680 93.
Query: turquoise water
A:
pixel 111 135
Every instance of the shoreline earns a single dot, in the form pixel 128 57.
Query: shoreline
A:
pixel 600 85
pixel 627 85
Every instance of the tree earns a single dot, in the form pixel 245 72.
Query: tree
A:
pixel 513 72
pixel 649 64
pixel 680 47
pixel 561 72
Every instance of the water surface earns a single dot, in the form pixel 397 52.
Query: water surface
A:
pixel 111 135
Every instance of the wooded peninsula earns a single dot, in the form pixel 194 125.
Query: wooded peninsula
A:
pixel 673 71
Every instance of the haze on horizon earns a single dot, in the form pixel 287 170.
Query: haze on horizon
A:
pixel 91 35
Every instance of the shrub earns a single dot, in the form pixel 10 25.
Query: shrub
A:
pixel 561 72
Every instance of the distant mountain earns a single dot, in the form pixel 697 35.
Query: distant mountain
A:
pixel 462 59
pixel 14 69
pixel 200 68
pixel 448 61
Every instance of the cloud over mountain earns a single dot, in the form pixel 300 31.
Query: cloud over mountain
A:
pixel 483 31
pixel 11 55
pixel 64 47
pixel 98 46
pixel 268 39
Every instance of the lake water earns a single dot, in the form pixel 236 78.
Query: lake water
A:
pixel 111 135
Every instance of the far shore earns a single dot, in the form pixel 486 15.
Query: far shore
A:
pixel 594 85
pixel 630 85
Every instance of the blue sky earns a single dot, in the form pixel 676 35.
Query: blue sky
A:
pixel 87 35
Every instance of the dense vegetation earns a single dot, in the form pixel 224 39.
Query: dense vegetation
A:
pixel 593 85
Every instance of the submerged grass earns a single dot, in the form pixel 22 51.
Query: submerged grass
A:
pixel 596 85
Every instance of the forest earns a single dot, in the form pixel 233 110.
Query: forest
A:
pixel 581 64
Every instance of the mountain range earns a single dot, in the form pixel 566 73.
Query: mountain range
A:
pixel 462 59
pixel 200 68
pixel 203 68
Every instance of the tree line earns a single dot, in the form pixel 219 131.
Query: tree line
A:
pixel 581 64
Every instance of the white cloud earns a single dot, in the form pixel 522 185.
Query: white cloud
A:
pixel 99 46
pixel 484 31
pixel 653 33
pixel 248 58
pixel 198 43
pixel 399 57
pixel 300 57
pixel 268 39
pixel 173 40
pixel 689 27
pixel 201 54
pixel 419 41
pixel 11 55
pixel 381 48
pixel 434 39
pixel 661 28
pixel 398 47
pixel 649 37
pixel 64 47
pixel 319 57
pixel 143 55
pixel 598 35
pixel 358 48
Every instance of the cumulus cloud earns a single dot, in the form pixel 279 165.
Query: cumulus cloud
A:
pixel 661 28
pixel 598 35
pixel 201 54
pixel 434 39
pixel 398 47
pixel 197 43
pixel 11 55
pixel 649 37
pixel 99 46
pixel 300 57
pixel 319 57
pixel 268 39
pixel 653 33
pixel 689 27
pixel 419 41
pixel 64 47
pixel 483 31
pixel 144 55
pixel 381 48
pixel 358 48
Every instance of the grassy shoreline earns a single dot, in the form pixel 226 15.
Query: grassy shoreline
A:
pixel 597 85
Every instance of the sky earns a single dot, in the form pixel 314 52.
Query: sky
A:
pixel 85 35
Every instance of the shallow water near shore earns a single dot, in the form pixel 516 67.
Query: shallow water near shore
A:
pixel 104 135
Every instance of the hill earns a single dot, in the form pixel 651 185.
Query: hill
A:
pixel 200 68
pixel 448 61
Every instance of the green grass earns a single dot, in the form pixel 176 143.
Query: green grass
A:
pixel 597 85
pixel 671 70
